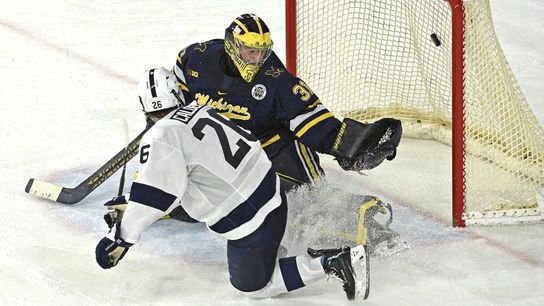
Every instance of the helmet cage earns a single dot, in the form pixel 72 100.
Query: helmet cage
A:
pixel 248 43
pixel 249 53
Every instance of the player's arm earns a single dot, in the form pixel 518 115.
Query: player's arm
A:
pixel 356 146
pixel 301 110
pixel 162 177
pixel 179 70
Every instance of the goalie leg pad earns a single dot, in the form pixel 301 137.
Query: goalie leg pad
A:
pixel 380 238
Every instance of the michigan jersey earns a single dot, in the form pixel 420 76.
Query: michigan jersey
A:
pixel 276 106
pixel 216 169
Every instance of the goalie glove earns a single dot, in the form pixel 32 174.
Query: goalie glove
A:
pixel 360 146
pixel 109 252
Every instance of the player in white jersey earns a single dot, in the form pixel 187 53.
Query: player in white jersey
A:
pixel 221 176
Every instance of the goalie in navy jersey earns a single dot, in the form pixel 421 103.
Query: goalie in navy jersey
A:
pixel 243 79
pixel 218 172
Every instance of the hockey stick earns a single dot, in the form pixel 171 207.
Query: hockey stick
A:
pixel 122 180
pixel 74 195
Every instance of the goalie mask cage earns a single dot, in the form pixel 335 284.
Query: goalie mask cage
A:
pixel 436 65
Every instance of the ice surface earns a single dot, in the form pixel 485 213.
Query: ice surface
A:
pixel 68 74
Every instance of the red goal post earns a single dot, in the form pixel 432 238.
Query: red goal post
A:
pixel 436 65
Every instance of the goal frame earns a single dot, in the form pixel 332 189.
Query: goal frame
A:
pixel 457 88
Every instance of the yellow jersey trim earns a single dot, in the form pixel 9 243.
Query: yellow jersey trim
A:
pixel 271 141
pixel 310 124
pixel 308 160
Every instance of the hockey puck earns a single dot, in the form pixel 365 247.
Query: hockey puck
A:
pixel 436 40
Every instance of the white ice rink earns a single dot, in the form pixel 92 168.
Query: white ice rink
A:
pixel 68 72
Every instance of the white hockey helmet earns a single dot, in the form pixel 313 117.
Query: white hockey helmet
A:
pixel 158 90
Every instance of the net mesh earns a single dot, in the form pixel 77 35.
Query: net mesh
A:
pixel 388 58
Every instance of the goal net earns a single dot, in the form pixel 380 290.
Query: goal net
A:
pixel 436 65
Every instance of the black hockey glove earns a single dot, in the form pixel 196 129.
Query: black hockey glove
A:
pixel 116 208
pixel 361 146
pixel 108 252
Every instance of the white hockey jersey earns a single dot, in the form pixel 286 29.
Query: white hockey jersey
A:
pixel 217 171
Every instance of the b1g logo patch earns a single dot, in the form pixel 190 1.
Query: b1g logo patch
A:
pixel 258 92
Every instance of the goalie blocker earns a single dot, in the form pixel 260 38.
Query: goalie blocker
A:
pixel 360 146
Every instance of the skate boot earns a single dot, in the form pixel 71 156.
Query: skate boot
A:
pixel 350 266
pixel 380 239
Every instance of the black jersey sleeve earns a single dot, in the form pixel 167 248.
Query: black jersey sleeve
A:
pixel 302 112
pixel 179 70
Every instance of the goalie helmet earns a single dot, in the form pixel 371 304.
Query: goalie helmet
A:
pixel 248 44
pixel 158 90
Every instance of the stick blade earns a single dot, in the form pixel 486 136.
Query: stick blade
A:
pixel 43 189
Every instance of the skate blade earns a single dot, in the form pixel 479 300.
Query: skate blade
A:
pixel 360 260
pixel 390 248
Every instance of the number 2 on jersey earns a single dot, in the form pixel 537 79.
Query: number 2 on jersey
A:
pixel 234 159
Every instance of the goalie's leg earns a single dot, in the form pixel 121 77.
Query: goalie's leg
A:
pixel 296 165
pixel 378 237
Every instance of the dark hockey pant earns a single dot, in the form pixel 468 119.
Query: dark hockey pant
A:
pixel 252 259
pixel 296 165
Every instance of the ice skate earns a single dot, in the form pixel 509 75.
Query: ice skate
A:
pixel 350 266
